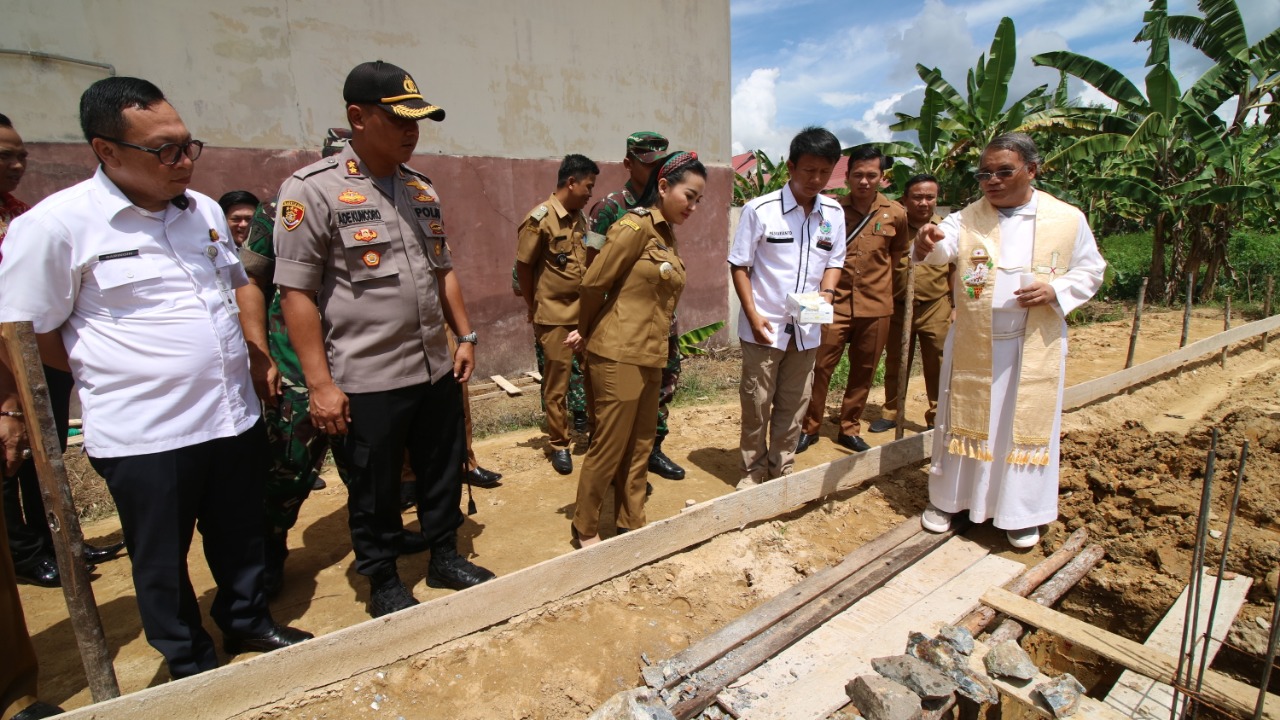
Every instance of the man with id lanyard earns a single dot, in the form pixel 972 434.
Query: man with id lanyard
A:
pixel 789 242
pixel 130 279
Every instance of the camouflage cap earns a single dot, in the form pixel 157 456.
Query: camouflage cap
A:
pixel 335 139
pixel 646 146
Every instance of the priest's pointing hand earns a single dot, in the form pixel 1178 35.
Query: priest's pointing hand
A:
pixel 928 236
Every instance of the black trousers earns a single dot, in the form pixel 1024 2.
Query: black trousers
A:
pixel 217 486
pixel 427 421
pixel 29 534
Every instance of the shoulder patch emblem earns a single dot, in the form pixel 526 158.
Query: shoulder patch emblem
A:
pixel 438 229
pixel 213 235
pixel 353 167
pixel 540 213
pixel 416 184
pixel 291 214
pixel 351 197
pixel 439 246
pixel 630 223
pixel 422 197
pixel 372 258
pixel 365 235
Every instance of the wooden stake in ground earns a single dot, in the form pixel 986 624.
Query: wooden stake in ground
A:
pixel 1137 323
pixel 1267 309
pixel 19 342
pixel 908 338
pixel 1226 325
pixel 1186 313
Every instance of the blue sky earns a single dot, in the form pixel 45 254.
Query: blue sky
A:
pixel 848 65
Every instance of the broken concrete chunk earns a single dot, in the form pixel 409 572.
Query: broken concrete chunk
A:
pixel 1062 693
pixel 960 638
pixel 945 657
pixel 882 699
pixel 922 678
pixel 1008 659
pixel 634 704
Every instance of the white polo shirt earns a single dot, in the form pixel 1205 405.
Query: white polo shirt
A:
pixel 787 252
pixel 157 353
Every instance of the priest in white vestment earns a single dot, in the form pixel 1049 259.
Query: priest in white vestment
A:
pixel 1024 259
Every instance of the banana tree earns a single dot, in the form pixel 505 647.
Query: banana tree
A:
pixel 762 178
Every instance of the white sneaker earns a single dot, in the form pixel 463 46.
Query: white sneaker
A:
pixel 935 520
pixel 1025 538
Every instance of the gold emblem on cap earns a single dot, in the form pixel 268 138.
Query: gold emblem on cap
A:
pixel 410 86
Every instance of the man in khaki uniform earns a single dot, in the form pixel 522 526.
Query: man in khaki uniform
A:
pixel 363 233
pixel 863 300
pixel 550 261
pixel 930 310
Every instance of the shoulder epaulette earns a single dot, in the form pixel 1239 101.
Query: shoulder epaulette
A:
pixel 641 211
pixel 628 222
pixel 318 166
pixel 538 213
pixel 415 173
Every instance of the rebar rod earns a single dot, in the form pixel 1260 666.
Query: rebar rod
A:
pixel 1186 650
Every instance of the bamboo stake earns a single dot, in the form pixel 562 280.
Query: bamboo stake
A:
pixel 1186 313
pixel 19 342
pixel 1267 309
pixel 908 339
pixel 1226 325
pixel 1137 323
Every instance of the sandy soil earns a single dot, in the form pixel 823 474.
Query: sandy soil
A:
pixel 1129 473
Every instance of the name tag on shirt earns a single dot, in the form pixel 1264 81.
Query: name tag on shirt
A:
pixel 222 263
pixel 824 242
pixel 118 255
pixel 779 236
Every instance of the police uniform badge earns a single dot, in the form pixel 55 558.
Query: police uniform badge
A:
pixel 365 235
pixel 439 247
pixel 539 213
pixel 213 235
pixel 372 258
pixel 291 214
pixel 437 229
pixel 665 270
pixel 351 197
pixel 422 197
pixel 353 167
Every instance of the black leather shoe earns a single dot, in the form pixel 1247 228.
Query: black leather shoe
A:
pixel 928 426
pixel 42 571
pixel 662 466
pixel 412 542
pixel 94 554
pixel 805 442
pixel 853 442
pixel 280 636
pixel 648 488
pixel 388 595
pixel 481 478
pixel 580 422
pixel 562 461
pixel 275 548
pixel 319 484
pixel 450 570
pixel 37 710
pixel 882 425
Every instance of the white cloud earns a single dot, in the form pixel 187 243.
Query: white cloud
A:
pixel 841 99
pixel 755 114
pixel 1097 17
pixel 875 122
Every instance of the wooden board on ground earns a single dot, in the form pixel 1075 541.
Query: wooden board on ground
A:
pixel 537 376
pixel 1141 697
pixel 807 679
pixel 1227 694
pixel 506 385
pixel 1022 692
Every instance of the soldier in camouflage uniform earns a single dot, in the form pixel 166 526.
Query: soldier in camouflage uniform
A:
pixel 644 151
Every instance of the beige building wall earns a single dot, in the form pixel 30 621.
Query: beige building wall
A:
pixel 517 78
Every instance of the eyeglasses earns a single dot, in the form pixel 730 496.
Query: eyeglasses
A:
pixel 169 153
pixel 1003 174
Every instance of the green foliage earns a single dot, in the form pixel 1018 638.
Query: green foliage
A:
pixel 690 340
pixel 1128 260
pixel 1255 256
pixel 762 179
pixel 840 376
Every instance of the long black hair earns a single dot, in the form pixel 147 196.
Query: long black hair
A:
pixel 673 168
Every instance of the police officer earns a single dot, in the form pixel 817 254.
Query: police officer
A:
pixel 550 260
pixel 644 150
pixel 878 238
pixel 366 232
pixel 626 302
pixel 930 310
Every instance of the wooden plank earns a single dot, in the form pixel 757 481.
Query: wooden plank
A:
pixel 806 682
pixel 22 356
pixel 506 385
pixel 1219 690
pixel 537 376
pixel 1021 692
pixel 1087 392
pixel 1140 697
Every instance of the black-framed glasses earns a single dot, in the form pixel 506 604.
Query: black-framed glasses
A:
pixel 1003 174
pixel 169 153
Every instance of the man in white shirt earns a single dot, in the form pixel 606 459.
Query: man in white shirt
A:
pixel 131 281
pixel 788 241
pixel 1024 260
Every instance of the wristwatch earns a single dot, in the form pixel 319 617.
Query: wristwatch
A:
pixel 471 338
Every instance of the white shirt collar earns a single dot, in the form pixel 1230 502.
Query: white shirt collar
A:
pixel 114 201
pixel 790 203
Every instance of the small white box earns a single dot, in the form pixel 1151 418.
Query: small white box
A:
pixel 808 308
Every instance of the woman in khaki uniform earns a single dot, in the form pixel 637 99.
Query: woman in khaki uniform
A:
pixel 627 298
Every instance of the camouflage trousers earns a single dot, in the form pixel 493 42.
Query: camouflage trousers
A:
pixel 577 396
pixel 670 376
pixel 297 450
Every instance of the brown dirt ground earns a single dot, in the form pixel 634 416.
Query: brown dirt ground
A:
pixel 1130 469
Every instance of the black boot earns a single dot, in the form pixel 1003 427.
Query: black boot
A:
pixel 450 570
pixel 661 465
pixel 387 595
pixel 275 548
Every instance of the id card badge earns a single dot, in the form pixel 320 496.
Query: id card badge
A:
pixel 225 291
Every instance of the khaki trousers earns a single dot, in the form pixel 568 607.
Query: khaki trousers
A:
pixel 555 381
pixel 930 322
pixel 774 392
pixel 18 669
pixel 866 338
pixel 626 407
